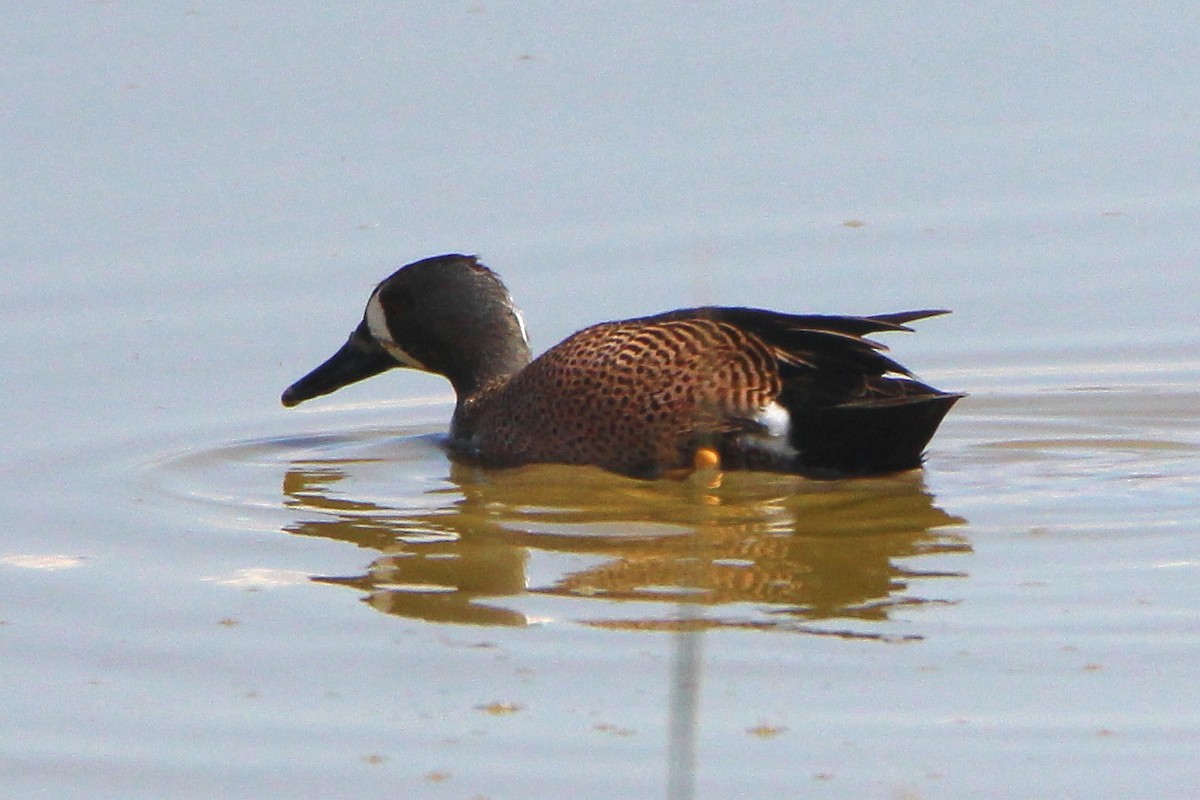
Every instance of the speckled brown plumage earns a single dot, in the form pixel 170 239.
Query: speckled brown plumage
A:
pixel 633 397
pixel 795 393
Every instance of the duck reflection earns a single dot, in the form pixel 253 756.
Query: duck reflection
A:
pixel 789 551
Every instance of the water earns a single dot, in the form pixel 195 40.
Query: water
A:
pixel 205 595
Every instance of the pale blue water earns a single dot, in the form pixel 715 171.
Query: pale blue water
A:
pixel 206 595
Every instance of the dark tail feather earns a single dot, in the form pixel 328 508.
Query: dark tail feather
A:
pixel 904 317
pixel 871 436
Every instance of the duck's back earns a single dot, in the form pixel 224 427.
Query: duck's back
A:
pixel 640 396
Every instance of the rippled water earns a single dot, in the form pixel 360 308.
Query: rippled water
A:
pixel 203 594
pixel 1012 617
pixel 457 543
pixel 493 547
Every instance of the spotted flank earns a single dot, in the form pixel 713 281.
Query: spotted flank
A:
pixel 808 394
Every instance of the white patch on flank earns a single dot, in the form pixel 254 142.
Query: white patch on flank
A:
pixel 777 424
pixel 378 326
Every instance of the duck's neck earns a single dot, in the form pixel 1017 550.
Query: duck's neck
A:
pixel 468 410
pixel 477 372
pixel 478 379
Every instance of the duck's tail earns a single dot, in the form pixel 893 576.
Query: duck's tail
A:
pixel 884 430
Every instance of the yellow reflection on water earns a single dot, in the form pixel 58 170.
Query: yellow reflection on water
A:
pixel 766 550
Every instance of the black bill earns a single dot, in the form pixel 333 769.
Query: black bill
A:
pixel 359 358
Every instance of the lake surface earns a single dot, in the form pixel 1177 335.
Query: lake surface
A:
pixel 203 594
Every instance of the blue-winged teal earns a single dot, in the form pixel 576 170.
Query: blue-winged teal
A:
pixel 755 389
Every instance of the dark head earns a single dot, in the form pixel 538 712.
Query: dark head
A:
pixel 449 315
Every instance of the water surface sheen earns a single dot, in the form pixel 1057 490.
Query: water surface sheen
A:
pixel 340 604
pixel 1040 569
pixel 205 595
pixel 470 544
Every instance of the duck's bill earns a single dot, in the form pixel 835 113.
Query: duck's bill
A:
pixel 358 359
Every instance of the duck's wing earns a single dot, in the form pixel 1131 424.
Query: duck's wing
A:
pixel 805 342
pixel 850 409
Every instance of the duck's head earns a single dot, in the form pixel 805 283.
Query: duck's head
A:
pixel 449 315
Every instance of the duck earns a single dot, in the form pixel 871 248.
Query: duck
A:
pixel 733 388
